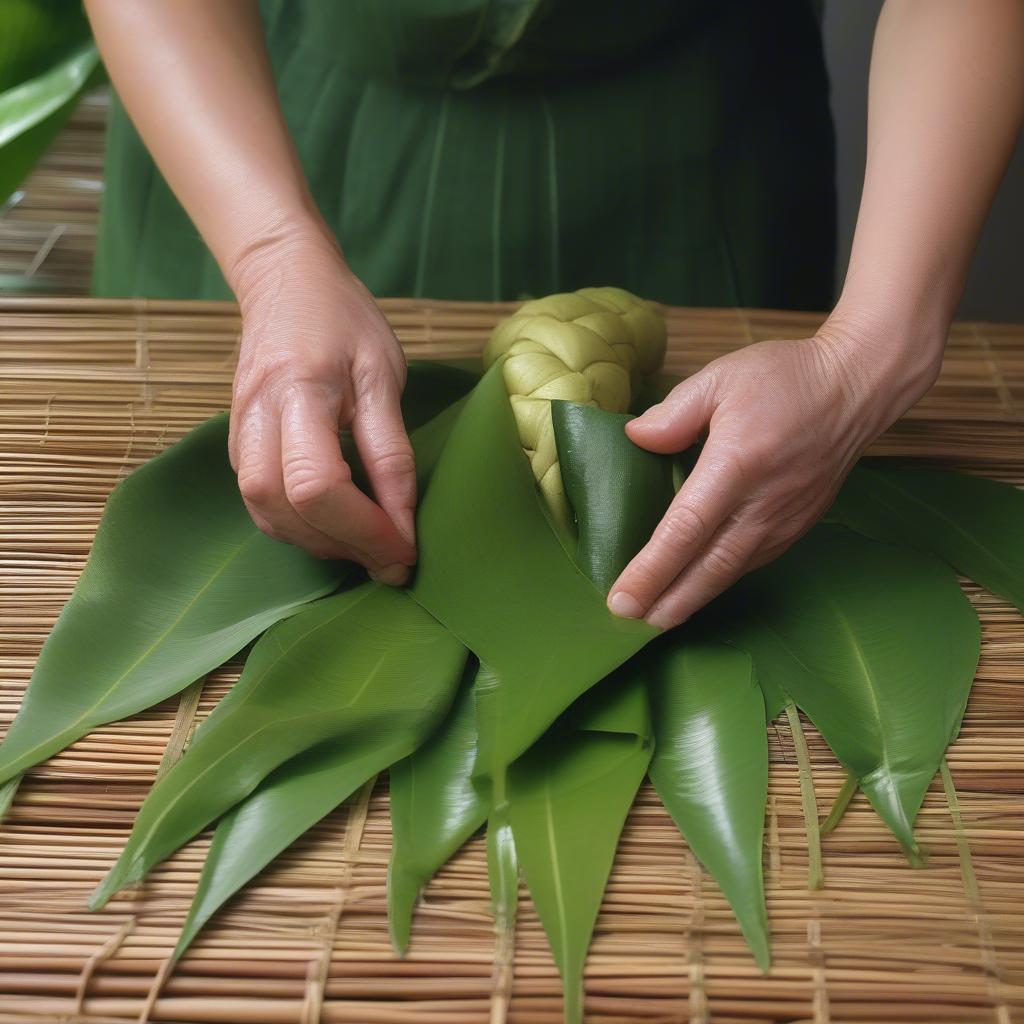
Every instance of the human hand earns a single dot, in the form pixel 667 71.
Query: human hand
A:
pixel 785 422
pixel 317 356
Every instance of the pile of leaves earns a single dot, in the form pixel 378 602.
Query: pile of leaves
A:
pixel 497 688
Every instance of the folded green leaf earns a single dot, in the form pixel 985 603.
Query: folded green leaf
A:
pixel 568 802
pixel 976 525
pixel 495 573
pixel 710 767
pixel 177 582
pixel 435 808
pixel 878 645
pixel 358 669
pixel 617 490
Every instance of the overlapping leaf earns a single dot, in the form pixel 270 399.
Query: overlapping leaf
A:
pixel 975 524
pixel 877 644
pixel 435 808
pixel 177 582
pixel 364 669
pixel 710 767
pixel 496 574
pixel 568 801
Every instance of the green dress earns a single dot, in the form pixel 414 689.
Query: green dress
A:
pixel 491 149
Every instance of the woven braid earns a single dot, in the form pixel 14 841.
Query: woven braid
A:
pixel 592 346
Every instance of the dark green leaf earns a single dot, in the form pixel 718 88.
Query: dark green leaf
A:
pixel 976 525
pixel 878 645
pixel 435 808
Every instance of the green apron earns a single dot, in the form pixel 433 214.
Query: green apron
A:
pixel 491 149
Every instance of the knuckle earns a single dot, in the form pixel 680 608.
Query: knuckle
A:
pixel 257 487
pixel 725 560
pixel 683 527
pixel 307 483
pixel 395 459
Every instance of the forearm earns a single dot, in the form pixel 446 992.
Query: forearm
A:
pixel 195 78
pixel 946 100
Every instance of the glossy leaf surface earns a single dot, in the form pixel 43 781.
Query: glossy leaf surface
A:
pixel 710 768
pixel 178 580
pixel 570 793
pixel 618 491
pixel 976 525
pixel 568 802
pixel 878 645
pixel 363 667
pixel 435 808
pixel 284 806
pixel 494 572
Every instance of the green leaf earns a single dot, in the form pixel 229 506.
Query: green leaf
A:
pixel 359 669
pixel 568 803
pixel 178 581
pixel 710 767
pixel 570 793
pixel 284 806
pixel 435 808
pixel 976 525
pixel 494 572
pixel 878 645
pixel 33 111
pixel 618 491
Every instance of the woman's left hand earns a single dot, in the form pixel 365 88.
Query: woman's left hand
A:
pixel 785 422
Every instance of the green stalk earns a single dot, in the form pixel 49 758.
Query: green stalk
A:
pixel 842 801
pixel 815 876
pixel 503 871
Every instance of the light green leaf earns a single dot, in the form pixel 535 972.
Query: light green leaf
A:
pixel 568 802
pixel 358 669
pixel 177 582
pixel 976 525
pixel 878 645
pixel 494 572
pixel 710 767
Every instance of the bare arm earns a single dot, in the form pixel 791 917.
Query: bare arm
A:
pixel 316 353
pixel 787 420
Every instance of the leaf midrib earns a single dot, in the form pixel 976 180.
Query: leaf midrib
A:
pixel 148 652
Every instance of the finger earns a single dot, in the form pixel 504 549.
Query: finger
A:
pixel 260 481
pixel 730 554
pixel 319 487
pixel 677 422
pixel 711 492
pixel 387 454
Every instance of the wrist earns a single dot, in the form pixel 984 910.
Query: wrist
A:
pixel 286 245
pixel 889 359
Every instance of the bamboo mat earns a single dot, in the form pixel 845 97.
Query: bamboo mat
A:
pixel 90 389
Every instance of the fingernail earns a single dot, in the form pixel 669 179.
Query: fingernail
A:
pixel 393 575
pixel 625 605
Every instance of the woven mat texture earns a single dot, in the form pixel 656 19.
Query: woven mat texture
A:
pixel 90 389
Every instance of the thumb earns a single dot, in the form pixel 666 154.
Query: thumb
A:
pixel 677 421
pixel 386 454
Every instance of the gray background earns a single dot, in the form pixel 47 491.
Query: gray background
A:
pixel 995 287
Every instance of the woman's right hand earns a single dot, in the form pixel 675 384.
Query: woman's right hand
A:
pixel 317 357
